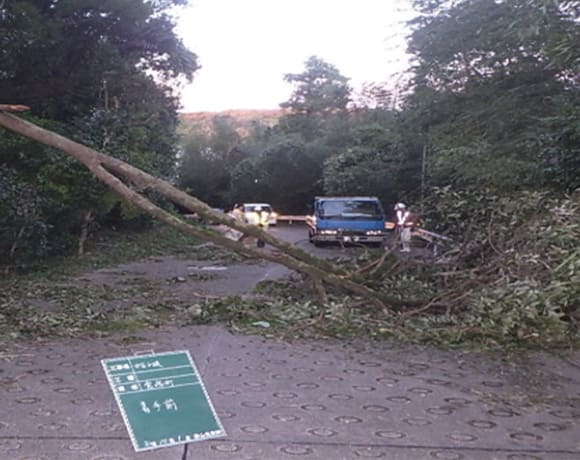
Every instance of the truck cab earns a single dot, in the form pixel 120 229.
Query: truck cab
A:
pixel 349 219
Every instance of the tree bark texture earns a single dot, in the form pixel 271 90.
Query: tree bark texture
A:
pixel 93 159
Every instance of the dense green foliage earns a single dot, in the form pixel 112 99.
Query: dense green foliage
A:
pixel 488 102
pixel 283 162
pixel 486 140
pixel 100 72
pixel 208 159
pixel 492 101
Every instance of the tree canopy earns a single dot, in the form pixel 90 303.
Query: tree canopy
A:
pixel 486 138
pixel 492 101
pixel 488 89
pixel 102 72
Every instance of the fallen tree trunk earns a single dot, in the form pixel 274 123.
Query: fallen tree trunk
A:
pixel 109 170
pixel 92 158
pixel 14 108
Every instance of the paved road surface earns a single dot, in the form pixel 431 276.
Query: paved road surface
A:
pixel 311 400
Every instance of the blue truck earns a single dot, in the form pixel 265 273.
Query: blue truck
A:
pixel 347 219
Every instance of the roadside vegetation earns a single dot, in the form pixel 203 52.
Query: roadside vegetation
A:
pixel 51 298
pixel 497 289
pixel 481 135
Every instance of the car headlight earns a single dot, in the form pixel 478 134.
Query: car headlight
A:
pixel 373 232
pixel 328 232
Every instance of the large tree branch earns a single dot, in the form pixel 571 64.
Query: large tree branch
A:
pixel 91 158
pixel 215 237
pixel 103 167
pixel 14 107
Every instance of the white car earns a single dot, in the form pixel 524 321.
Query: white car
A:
pixel 250 212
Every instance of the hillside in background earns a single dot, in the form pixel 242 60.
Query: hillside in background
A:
pixel 242 119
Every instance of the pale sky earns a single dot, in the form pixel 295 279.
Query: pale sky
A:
pixel 246 46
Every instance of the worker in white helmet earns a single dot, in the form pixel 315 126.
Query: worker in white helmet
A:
pixel 406 221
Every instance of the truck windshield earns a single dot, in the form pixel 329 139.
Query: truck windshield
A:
pixel 350 210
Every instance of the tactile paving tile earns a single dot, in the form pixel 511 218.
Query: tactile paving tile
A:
pixel 308 399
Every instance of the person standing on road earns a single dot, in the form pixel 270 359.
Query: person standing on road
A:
pixel 238 213
pixel 252 215
pixel 262 221
pixel 405 222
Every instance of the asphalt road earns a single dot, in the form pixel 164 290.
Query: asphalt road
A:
pixel 297 234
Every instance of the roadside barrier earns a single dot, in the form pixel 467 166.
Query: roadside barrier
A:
pixel 291 219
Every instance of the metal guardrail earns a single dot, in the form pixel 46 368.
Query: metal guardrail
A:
pixel 291 219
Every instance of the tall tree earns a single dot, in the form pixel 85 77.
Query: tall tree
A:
pixel 373 162
pixel 57 53
pixel 208 158
pixel 100 71
pixel 320 96
pixel 483 84
pixel 282 174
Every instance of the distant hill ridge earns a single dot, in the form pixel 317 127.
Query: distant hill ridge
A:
pixel 241 118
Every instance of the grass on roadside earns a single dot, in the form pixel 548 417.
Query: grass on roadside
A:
pixel 44 303
pixel 277 308
pixel 109 249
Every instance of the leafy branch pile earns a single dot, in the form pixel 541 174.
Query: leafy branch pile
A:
pixel 516 272
pixel 511 278
pixel 513 274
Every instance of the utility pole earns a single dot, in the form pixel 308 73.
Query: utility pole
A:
pixel 424 170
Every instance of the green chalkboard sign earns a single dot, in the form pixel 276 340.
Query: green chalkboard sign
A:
pixel 162 399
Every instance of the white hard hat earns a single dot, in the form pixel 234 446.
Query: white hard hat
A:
pixel 400 206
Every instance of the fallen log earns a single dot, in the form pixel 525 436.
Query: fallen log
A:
pixel 110 170
pixel 14 108
pixel 142 181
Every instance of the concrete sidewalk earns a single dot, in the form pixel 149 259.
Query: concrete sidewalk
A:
pixel 312 400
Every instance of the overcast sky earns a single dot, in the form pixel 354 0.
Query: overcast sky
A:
pixel 246 46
